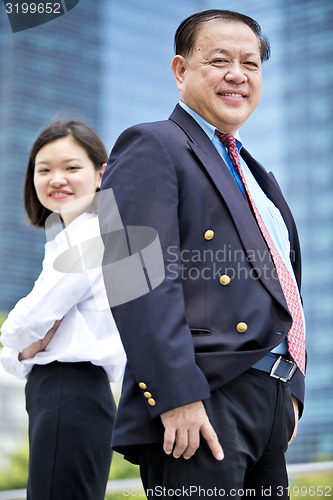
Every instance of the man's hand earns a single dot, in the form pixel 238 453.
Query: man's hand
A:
pixel 40 345
pixel 295 405
pixel 183 426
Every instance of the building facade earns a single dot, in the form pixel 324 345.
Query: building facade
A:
pixel 48 72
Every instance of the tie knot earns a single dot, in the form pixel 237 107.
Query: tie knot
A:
pixel 226 139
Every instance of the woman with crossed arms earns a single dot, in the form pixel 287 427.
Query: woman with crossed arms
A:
pixel 62 336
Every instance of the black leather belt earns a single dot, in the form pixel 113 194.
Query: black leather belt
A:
pixel 277 366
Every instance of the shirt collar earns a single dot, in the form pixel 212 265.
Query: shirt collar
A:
pixel 206 126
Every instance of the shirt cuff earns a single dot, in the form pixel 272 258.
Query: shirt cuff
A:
pixel 11 363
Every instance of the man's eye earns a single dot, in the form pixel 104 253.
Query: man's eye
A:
pixel 73 167
pixel 251 64
pixel 220 61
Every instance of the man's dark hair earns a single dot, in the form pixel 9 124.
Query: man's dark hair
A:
pixel 188 30
pixel 84 135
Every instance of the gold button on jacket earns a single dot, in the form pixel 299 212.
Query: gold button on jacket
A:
pixel 241 327
pixel 224 280
pixel 151 402
pixel 142 385
pixel 209 234
pixel 147 394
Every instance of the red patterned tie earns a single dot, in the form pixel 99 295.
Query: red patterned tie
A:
pixel 295 337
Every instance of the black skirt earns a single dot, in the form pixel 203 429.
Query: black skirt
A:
pixel 71 412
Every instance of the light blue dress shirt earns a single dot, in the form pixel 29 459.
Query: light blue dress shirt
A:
pixel 271 215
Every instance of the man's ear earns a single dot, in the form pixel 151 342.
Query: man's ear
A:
pixel 178 66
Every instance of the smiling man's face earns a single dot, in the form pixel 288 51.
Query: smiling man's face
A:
pixel 221 78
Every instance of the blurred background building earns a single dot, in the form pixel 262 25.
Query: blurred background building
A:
pixel 107 62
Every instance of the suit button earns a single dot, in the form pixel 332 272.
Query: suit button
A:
pixel 241 327
pixel 151 402
pixel 225 280
pixel 209 234
pixel 147 395
pixel 142 385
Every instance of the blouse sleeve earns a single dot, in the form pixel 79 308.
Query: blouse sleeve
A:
pixel 52 296
pixel 11 363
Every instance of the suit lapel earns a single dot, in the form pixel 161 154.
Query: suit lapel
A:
pixel 245 223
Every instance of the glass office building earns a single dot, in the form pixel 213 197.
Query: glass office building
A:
pixel 111 65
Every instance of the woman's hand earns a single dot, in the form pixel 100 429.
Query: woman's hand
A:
pixel 40 345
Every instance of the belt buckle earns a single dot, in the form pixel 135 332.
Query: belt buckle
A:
pixel 276 365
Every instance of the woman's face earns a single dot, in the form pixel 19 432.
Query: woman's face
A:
pixel 65 178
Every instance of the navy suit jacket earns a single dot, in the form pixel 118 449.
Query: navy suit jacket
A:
pixel 181 339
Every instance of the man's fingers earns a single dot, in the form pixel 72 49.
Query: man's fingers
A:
pixel 169 440
pixel 210 435
pixel 181 442
pixel 183 426
pixel 193 444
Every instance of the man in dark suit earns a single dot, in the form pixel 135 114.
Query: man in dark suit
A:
pixel 214 384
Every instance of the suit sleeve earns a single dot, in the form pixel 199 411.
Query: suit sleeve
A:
pixel 153 328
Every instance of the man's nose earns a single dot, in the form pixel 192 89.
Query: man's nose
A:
pixel 236 74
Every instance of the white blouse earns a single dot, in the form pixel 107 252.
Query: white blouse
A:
pixel 87 331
